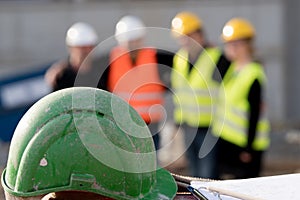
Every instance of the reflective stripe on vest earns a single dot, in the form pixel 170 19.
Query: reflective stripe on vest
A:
pixel 137 84
pixel 139 96
pixel 232 110
pixel 195 92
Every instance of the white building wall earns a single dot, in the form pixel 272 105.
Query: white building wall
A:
pixel 33 32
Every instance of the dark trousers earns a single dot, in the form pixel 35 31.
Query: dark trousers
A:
pixel 201 152
pixel 155 130
pixel 229 161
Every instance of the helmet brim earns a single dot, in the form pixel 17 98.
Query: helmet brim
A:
pixel 165 187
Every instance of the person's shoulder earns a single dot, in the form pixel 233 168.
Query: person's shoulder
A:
pixel 55 70
pixel 104 56
pixel 213 48
pixel 165 52
pixel 61 64
pixel 257 66
pixel 57 67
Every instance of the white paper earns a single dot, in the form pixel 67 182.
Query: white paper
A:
pixel 272 187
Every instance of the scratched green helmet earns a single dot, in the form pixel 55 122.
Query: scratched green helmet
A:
pixel 85 139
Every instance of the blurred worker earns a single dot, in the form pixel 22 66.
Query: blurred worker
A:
pixel 65 148
pixel 240 115
pixel 133 72
pixel 81 38
pixel 197 70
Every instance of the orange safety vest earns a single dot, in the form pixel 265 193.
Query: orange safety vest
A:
pixel 138 84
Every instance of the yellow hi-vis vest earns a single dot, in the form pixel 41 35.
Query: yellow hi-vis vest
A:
pixel 194 92
pixel 231 120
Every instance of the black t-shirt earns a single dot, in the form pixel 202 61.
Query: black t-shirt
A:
pixel 221 68
pixel 66 76
pixel 66 79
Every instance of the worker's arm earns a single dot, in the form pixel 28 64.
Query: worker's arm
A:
pixel 54 73
pixel 254 98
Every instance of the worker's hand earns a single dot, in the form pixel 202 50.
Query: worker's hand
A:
pixel 52 74
pixel 245 157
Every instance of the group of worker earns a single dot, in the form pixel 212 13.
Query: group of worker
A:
pixel 219 99
pixel 217 95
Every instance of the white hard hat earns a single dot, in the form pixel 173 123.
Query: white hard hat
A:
pixel 81 34
pixel 129 28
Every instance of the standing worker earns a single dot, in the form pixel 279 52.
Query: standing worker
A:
pixel 197 70
pixel 240 116
pixel 81 38
pixel 133 72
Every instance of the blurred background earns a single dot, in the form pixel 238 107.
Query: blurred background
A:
pixel 32 37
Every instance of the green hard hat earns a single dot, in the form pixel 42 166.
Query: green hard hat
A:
pixel 85 139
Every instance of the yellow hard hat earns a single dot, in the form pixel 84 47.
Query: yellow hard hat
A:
pixel 185 23
pixel 236 29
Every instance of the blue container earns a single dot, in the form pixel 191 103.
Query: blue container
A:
pixel 17 94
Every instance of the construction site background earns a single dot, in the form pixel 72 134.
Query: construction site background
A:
pixel 32 35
